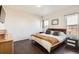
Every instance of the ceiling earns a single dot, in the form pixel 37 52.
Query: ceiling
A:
pixel 40 10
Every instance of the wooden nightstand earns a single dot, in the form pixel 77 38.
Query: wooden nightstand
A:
pixel 72 42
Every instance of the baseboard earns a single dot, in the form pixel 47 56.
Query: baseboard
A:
pixel 21 40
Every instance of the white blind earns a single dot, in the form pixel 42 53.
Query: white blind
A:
pixel 72 19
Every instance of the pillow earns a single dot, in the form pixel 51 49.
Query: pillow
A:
pixel 51 32
pixel 47 32
pixel 62 34
pixel 56 33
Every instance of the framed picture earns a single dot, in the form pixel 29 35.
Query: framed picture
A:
pixel 54 22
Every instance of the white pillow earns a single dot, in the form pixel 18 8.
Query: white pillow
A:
pixel 52 32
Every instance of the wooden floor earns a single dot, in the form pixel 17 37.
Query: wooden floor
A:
pixel 27 47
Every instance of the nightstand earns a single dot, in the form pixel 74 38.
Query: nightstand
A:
pixel 72 42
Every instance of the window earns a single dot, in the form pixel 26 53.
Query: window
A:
pixel 2 26
pixel 72 24
pixel 44 23
pixel 72 19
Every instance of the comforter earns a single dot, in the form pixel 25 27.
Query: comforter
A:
pixel 52 40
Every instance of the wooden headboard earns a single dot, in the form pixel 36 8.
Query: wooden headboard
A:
pixel 53 29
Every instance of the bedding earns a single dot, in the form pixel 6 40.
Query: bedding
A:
pixel 47 40
pixel 56 33
pixel 47 32
pixel 52 40
pixel 61 37
pixel 51 32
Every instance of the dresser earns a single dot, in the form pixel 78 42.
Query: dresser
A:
pixel 5 46
pixel 6 43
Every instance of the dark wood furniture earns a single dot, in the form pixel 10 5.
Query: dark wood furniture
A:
pixel 54 29
pixel 41 32
pixel 71 42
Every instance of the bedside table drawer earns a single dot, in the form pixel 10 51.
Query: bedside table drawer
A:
pixel 71 44
pixel 71 41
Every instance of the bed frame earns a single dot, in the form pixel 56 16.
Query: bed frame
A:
pixel 53 29
pixel 58 44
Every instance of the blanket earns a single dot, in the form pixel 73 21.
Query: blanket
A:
pixel 52 40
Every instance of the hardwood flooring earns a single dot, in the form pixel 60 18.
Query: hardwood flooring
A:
pixel 31 47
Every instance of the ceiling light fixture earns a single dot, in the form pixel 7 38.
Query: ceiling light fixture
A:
pixel 38 6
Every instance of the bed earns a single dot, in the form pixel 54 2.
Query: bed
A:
pixel 49 41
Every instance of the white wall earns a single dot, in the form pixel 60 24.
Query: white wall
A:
pixel 20 24
pixel 60 15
